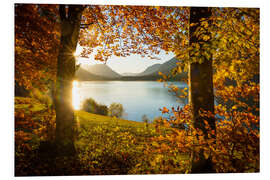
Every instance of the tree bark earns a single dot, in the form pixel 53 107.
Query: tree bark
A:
pixel 201 96
pixel 70 27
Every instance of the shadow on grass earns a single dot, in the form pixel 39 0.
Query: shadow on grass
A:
pixel 48 160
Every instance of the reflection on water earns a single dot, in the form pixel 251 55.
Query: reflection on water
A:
pixel 137 97
pixel 76 100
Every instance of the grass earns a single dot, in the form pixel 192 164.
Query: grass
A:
pixel 91 119
pixel 107 145
pixel 88 121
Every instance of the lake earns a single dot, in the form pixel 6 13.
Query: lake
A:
pixel 137 97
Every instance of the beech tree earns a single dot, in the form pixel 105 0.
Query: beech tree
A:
pixel 201 96
pixel 70 26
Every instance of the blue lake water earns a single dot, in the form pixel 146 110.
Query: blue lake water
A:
pixel 137 97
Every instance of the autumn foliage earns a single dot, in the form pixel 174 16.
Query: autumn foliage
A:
pixel 235 147
pixel 37 36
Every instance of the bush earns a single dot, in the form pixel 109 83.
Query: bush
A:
pixel 116 110
pixel 102 109
pixel 90 105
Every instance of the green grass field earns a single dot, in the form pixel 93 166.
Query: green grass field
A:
pixel 90 119
pixel 107 145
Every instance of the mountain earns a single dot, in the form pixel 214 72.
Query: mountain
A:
pixel 84 75
pixel 167 66
pixel 150 70
pixel 154 69
pixel 101 70
pixel 104 72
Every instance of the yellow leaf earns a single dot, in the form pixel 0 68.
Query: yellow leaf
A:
pixel 155 144
pixel 206 37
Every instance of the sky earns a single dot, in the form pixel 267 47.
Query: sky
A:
pixel 130 64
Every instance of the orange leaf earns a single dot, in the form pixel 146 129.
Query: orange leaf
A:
pixel 165 110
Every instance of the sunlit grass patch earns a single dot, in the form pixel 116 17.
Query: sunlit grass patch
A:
pixel 109 145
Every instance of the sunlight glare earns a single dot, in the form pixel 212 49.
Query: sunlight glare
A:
pixel 75 83
pixel 76 53
pixel 75 95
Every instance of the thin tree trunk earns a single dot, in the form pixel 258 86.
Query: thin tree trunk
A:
pixel 201 96
pixel 70 27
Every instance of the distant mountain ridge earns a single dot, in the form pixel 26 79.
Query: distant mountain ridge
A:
pixel 101 70
pixel 104 72
pixel 151 69
pixel 165 68
pixel 168 66
pixel 84 75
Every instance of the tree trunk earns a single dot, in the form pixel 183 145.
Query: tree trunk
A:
pixel 201 96
pixel 70 27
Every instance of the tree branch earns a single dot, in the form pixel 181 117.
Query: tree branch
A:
pixel 83 26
